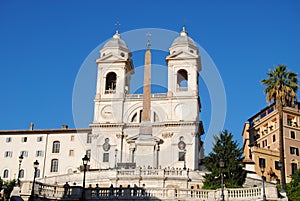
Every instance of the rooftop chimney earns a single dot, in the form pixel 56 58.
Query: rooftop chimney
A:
pixel 64 126
pixel 31 126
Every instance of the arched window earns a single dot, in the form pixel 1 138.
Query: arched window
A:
pixel 137 117
pixel 5 173
pixel 111 81
pixel 182 80
pixel 54 165
pixel 56 147
pixel 21 174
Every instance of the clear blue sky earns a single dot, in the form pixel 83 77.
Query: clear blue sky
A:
pixel 43 44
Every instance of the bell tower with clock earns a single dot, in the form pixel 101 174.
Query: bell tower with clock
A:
pixel 115 68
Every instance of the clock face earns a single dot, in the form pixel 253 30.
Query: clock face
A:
pixel 107 112
pixel 181 145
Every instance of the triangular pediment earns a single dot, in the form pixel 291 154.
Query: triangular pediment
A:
pixel 137 137
pixel 111 58
pixel 182 55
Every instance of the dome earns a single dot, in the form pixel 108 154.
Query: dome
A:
pixel 116 41
pixel 183 39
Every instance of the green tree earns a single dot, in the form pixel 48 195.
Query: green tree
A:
pixel 281 87
pixel 227 149
pixel 293 188
pixel 8 187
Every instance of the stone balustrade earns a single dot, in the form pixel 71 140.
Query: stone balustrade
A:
pixel 136 193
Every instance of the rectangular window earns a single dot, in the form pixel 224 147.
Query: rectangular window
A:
pixel 181 156
pixel 289 121
pixel 105 157
pixel 39 153
pixel 39 139
pixel 24 153
pixel 54 165
pixel 24 139
pixel 71 152
pixel 8 154
pixel 277 167
pixel 56 147
pixel 72 138
pixel 89 138
pixel 262 163
pixel 274 138
pixel 8 139
pixel 293 136
pixel 294 151
pixel 294 167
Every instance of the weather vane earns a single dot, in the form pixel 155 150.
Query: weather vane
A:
pixel 148 41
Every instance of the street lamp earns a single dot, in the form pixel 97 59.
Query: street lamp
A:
pixel 262 169
pixel 85 161
pixel 35 165
pixel 222 165
pixel 184 162
pixel 116 153
pixel 20 161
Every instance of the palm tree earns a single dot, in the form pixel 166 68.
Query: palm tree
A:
pixel 281 87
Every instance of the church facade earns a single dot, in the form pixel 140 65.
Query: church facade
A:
pixel 158 131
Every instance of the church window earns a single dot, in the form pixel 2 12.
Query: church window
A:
pixel 54 165
pixel 111 81
pixel 181 156
pixel 137 117
pixel 56 147
pixel 134 118
pixel 8 139
pixel 72 138
pixel 182 80
pixel 5 173
pixel 105 157
pixel 122 54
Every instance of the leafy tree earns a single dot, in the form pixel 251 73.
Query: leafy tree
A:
pixel 227 149
pixel 293 188
pixel 281 87
pixel 8 187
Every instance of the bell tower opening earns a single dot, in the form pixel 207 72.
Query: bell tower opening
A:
pixel 111 81
pixel 182 80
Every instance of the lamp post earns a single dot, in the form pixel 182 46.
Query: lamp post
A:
pixel 20 161
pixel 222 165
pixel 35 165
pixel 116 153
pixel 184 161
pixel 262 169
pixel 85 161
